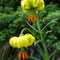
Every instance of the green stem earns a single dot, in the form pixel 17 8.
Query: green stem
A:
pixel 23 30
pixel 46 57
pixel 22 49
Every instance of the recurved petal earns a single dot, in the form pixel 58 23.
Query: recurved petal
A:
pixel 31 39
pixel 12 40
pixel 20 42
pixel 26 43
pixel 40 5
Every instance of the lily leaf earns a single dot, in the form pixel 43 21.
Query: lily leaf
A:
pixel 34 58
pixel 41 52
pixel 36 42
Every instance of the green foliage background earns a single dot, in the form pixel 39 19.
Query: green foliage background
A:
pixel 12 21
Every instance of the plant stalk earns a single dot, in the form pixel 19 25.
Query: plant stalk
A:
pixel 43 44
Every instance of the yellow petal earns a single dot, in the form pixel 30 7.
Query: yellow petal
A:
pixel 26 43
pixel 31 39
pixel 40 5
pixel 22 41
pixel 25 4
pixel 12 40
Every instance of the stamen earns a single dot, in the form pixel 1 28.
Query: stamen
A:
pixel 32 19
pixel 19 55
pixel 29 18
pixel 26 55
pixel 23 55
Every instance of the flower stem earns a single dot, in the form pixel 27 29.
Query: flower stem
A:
pixel 43 44
pixel 22 49
pixel 23 30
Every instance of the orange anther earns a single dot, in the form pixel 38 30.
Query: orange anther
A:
pixel 35 18
pixel 19 55
pixel 26 55
pixel 32 18
pixel 29 18
pixel 23 56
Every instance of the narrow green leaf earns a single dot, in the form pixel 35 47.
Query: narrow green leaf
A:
pixel 46 52
pixel 50 23
pixel 34 58
pixel 41 52
pixel 32 27
pixel 36 42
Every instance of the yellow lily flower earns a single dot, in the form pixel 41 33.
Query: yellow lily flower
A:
pixel 22 41
pixel 30 6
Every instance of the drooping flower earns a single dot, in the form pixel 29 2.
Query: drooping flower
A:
pixel 21 42
pixel 32 7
